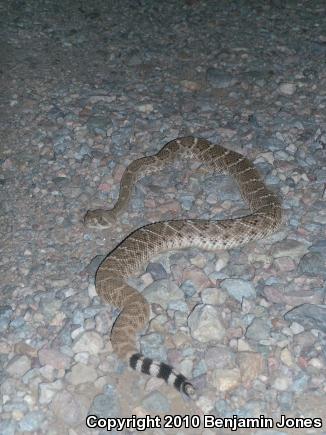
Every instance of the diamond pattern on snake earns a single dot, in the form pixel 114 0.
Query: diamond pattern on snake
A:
pixel 132 254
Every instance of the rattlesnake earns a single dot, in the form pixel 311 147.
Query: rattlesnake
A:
pixel 139 246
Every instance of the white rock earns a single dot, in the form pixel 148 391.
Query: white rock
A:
pixel 89 341
pixel 205 324
pixel 287 88
pixel 226 379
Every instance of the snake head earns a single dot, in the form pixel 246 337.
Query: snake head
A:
pixel 99 219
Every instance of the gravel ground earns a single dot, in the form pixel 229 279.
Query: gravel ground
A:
pixel 86 89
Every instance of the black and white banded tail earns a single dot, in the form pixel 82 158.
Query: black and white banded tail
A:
pixel 163 371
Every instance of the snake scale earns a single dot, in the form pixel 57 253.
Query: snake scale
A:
pixel 142 244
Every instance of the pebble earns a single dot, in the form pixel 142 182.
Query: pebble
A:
pixel 81 373
pixel 219 79
pixel 157 271
pixel 287 88
pixel 155 402
pixel 225 379
pixel 289 248
pixel 162 292
pixel 31 422
pixel 106 405
pixel 281 383
pixel 311 263
pixel 18 365
pixel 152 345
pixel 205 324
pixel 239 289
pixel 258 330
pixel 251 365
pixel 53 358
pixel 309 316
pixel 89 341
pixel 222 261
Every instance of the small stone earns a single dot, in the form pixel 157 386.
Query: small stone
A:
pixel 162 292
pixel 286 357
pixel 157 271
pixel 48 390
pixel 219 79
pixel 281 383
pixel 222 261
pixel 218 357
pixel 205 324
pixel 289 248
pixel 81 373
pixel 225 379
pixel 156 402
pixel 190 85
pixel 152 345
pixel 287 88
pixel 258 330
pixel 317 363
pixel 199 260
pixel 312 264
pixel 68 408
pixel 106 405
pixel 89 341
pixel 188 288
pixel 250 364
pixel 53 358
pixel 212 296
pixel 308 315
pixel 145 108
pixel 239 289
pixel 284 264
pixel 31 422
pixel 296 328
pixel 18 366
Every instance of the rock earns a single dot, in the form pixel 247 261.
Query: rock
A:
pixel 8 427
pixel 225 379
pixel 205 324
pixel 68 408
pixel 219 357
pixel 258 330
pixel 81 373
pixel 188 288
pixel 157 271
pixel 281 383
pixel 19 365
pixel 250 364
pixel 212 296
pixel 152 345
pixel 89 341
pixel 310 316
pixel 162 292
pixel 48 390
pixel 239 289
pixel 222 261
pixel 287 88
pixel 289 248
pixel 312 264
pixel 156 403
pixel 106 405
pixel 286 357
pixel 53 358
pixel 319 247
pixel 219 79
pixel 31 422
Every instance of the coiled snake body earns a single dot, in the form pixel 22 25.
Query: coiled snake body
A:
pixel 137 248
